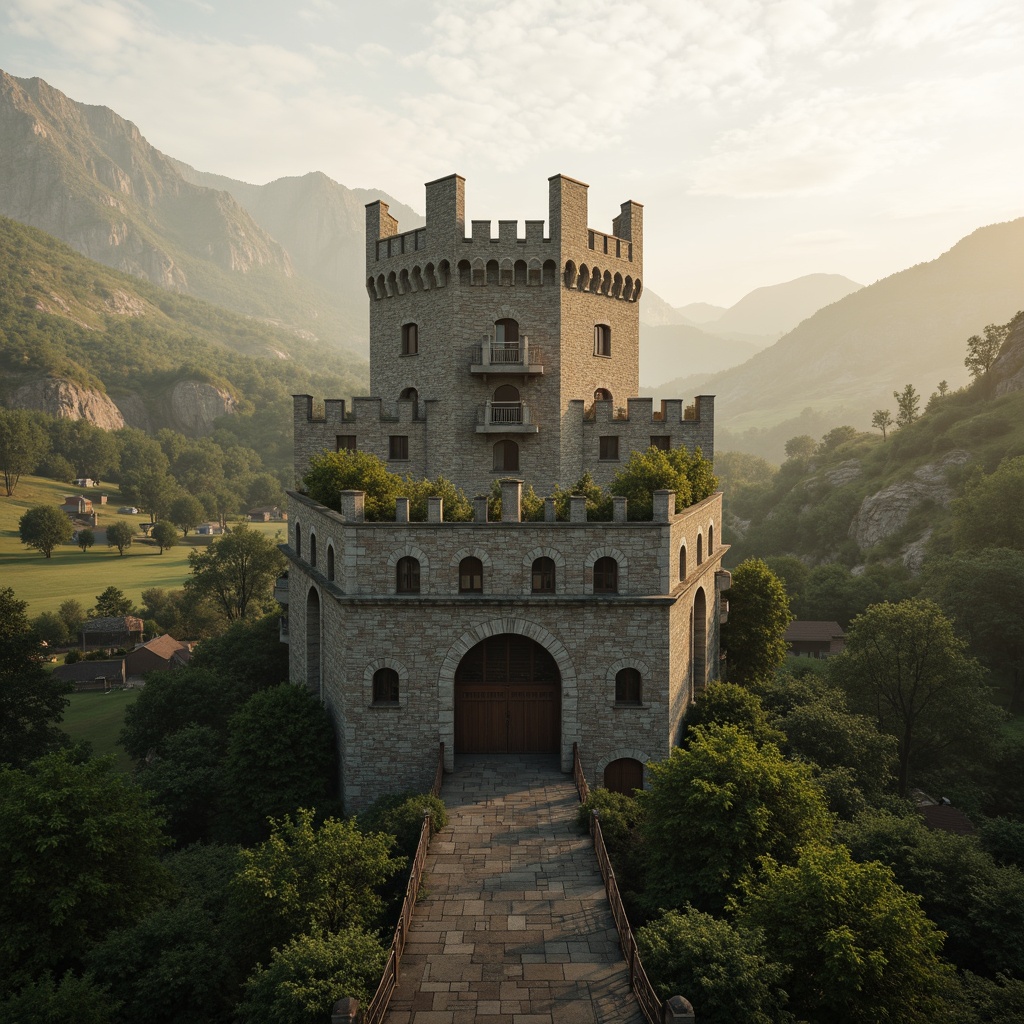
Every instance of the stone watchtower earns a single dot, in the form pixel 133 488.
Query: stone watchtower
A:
pixel 515 358
pixel 505 355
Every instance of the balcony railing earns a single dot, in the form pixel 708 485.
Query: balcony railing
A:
pixel 504 416
pixel 507 357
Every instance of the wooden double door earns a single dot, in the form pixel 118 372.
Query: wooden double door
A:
pixel 507 698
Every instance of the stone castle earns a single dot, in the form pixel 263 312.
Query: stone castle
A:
pixel 513 359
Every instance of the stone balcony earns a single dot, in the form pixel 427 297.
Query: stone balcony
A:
pixel 514 357
pixel 504 418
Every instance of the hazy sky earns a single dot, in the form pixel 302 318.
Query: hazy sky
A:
pixel 766 140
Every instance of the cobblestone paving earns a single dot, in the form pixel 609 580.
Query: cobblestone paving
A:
pixel 514 926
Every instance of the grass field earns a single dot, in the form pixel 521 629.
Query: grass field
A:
pixel 98 717
pixel 45 582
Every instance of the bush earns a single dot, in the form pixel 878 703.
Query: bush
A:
pixel 401 815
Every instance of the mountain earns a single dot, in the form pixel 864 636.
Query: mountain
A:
pixel 910 327
pixel 674 348
pixel 701 312
pixel 778 308
pixel 89 177
pixel 656 312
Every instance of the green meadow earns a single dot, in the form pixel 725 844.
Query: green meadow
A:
pixel 98 717
pixel 69 573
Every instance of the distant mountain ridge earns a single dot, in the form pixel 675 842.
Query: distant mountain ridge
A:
pixel 89 177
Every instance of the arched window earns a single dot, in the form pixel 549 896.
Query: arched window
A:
pixel 330 561
pixel 602 395
pixel 410 339
pixel 506 457
pixel 471 576
pixel 682 562
pixel 543 575
pixel 711 539
pixel 298 541
pixel 407 575
pixel 385 686
pixel 506 331
pixel 628 686
pixel 606 576
pixel 411 395
pixel 700 549
pixel 312 548
pixel 602 340
pixel 506 393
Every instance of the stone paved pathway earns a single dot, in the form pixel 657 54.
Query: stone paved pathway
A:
pixel 514 925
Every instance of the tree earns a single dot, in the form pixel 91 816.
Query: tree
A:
pixel 50 629
pixel 983 592
pixel 854 944
pixel 982 351
pixel 904 666
pixel 78 854
pixel 237 572
pixel 800 447
pixel 44 527
pixel 186 512
pixel 990 513
pixel 881 419
pixel 330 473
pixel 23 442
pixel 734 801
pixel 279 758
pixel 164 534
pixel 119 535
pixel 307 976
pixel 907 402
pixel 86 539
pixel 731 704
pixel 834 438
pixel 32 702
pixel 72 614
pixel 113 603
pixel 45 1001
pixel 307 878
pixel 942 388
pixel 724 972
pixel 690 476
pixel 754 636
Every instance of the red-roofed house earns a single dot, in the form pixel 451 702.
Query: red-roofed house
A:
pixel 160 653
pixel 815 639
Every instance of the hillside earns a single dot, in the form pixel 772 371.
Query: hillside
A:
pixel 90 178
pixel 133 349
pixel 910 327
pixel 778 308
pixel 857 498
pixel 681 348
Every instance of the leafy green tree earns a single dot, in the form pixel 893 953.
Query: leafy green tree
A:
pixel 881 419
pixel 724 972
pixel 72 614
pixel 186 512
pixel 79 855
pixel 45 527
pixel 307 878
pixel 598 504
pixel 86 539
pixel 164 534
pixel 734 802
pixel 23 442
pixel 801 447
pixel 113 603
pixel 309 974
pixel 264 489
pixel 983 592
pixel 690 476
pixel 905 667
pixel 32 702
pixel 990 512
pixel 401 815
pixel 280 757
pixel 993 1002
pixel 793 573
pixel 907 404
pixel 93 451
pixel 249 652
pixel 982 350
pixel 730 704
pixel 330 473
pixel 50 629
pixel 119 535
pixel 854 944
pixel 44 1001
pixel 754 637
pixel 237 572
pixel 834 438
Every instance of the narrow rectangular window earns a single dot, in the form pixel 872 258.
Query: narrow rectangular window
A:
pixel 602 340
pixel 609 448
pixel 410 340
pixel 398 447
pixel 345 443
pixel 661 441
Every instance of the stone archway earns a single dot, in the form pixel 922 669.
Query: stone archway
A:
pixel 314 677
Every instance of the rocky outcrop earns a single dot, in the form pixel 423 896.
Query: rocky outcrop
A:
pixel 887 512
pixel 1008 369
pixel 194 405
pixel 67 400
pixel 844 473
pixel 134 411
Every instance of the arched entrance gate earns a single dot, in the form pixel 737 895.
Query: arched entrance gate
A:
pixel 507 698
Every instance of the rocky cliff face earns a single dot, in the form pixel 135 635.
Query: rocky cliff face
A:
pixel 194 405
pixel 1008 369
pixel 68 400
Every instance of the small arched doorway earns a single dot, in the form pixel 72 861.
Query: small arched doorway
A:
pixel 699 639
pixel 624 775
pixel 507 698
pixel 313 640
